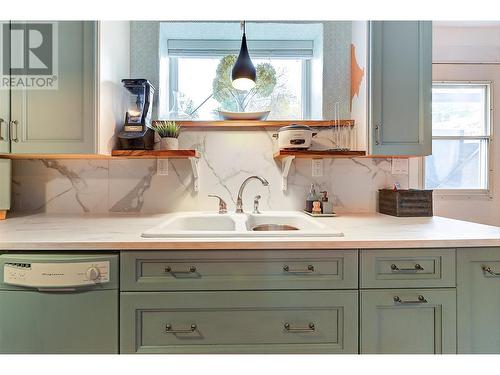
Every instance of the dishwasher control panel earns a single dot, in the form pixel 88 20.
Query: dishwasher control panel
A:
pixel 56 275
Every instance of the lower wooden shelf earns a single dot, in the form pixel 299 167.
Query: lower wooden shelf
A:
pixel 155 154
pixel 115 154
pixel 288 156
pixel 310 154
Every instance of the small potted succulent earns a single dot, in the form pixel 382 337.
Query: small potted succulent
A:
pixel 169 134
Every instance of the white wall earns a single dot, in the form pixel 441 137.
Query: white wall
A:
pixel 114 65
pixel 471 51
pixel 466 42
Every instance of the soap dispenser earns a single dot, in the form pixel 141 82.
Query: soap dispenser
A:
pixel 327 205
pixel 311 198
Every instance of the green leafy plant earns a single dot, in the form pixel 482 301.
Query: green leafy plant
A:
pixel 236 100
pixel 167 129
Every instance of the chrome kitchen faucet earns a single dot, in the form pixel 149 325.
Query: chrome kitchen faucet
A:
pixel 239 200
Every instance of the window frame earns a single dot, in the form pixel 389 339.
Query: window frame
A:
pixel 306 82
pixel 470 193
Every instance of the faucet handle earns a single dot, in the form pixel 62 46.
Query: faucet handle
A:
pixel 222 204
pixel 256 204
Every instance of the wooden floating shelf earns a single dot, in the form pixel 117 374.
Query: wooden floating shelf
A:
pixel 155 154
pixel 288 156
pixel 237 124
pixel 55 156
pixel 309 154
pixel 115 154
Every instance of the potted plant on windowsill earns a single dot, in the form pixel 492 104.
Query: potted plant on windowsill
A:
pixel 169 134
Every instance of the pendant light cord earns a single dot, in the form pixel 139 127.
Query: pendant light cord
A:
pixel 242 24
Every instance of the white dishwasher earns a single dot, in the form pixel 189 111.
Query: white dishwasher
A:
pixel 58 303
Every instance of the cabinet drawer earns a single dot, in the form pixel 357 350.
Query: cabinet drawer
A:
pixel 239 322
pixel 407 268
pixel 238 270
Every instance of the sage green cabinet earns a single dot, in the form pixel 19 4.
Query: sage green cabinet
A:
pixel 239 270
pixel 478 300
pixel 407 268
pixel 400 87
pixel 4 113
pixel 239 322
pixel 5 177
pixel 408 321
pixel 61 120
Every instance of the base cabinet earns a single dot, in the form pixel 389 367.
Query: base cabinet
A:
pixel 408 321
pixel 239 322
pixel 5 175
pixel 478 300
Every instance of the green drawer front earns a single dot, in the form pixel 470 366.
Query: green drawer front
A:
pixel 407 268
pixel 239 270
pixel 408 321
pixel 239 322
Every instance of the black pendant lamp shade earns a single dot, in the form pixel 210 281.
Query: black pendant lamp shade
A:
pixel 243 75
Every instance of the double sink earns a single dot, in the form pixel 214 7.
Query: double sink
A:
pixel 268 224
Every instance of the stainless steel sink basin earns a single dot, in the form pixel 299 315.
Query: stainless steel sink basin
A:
pixel 276 227
pixel 268 224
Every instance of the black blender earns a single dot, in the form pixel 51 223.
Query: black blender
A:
pixel 138 132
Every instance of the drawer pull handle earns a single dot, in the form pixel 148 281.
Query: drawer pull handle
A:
pixel 169 329
pixel 310 328
pixel 421 299
pixel 13 125
pixel 417 267
pixel 191 269
pixel 310 269
pixel 490 271
pixel 1 122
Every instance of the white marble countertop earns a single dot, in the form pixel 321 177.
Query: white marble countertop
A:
pixel 123 232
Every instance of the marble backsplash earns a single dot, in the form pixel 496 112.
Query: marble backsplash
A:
pixel 227 158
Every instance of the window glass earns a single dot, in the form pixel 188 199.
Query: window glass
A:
pixel 461 143
pixel 459 110
pixel 195 83
pixel 457 164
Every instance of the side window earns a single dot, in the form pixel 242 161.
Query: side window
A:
pixel 461 138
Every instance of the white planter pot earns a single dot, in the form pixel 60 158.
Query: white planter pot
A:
pixel 169 144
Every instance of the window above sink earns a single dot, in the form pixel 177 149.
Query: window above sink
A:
pixel 194 56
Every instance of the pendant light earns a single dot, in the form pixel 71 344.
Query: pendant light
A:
pixel 243 75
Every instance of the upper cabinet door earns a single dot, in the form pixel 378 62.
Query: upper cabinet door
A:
pixel 4 92
pixel 60 119
pixel 401 87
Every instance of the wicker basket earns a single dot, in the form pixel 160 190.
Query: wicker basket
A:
pixel 405 203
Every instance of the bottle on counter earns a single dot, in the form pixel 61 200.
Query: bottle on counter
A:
pixel 311 198
pixel 327 206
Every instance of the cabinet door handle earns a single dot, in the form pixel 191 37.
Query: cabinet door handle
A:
pixel 13 124
pixel 421 299
pixel 417 267
pixel 169 329
pixel 487 269
pixel 1 122
pixel 191 269
pixel 310 328
pixel 378 135
pixel 309 269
